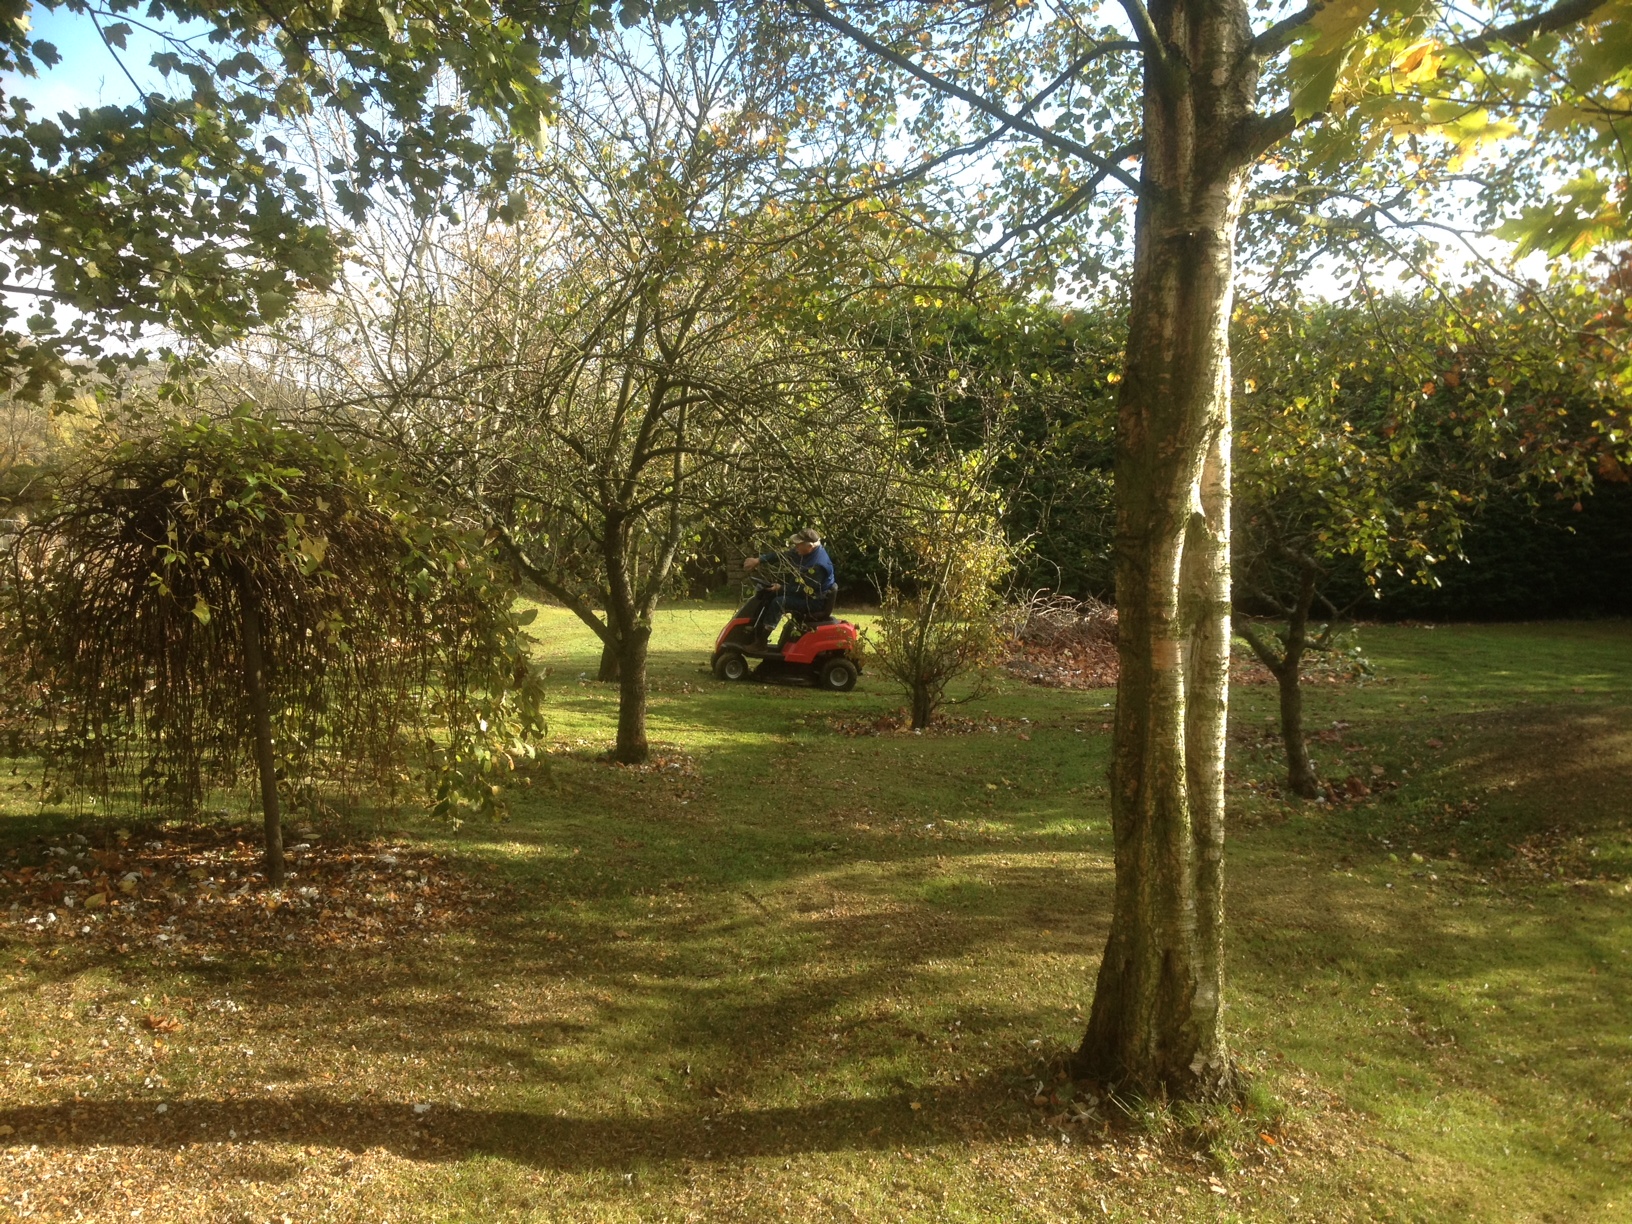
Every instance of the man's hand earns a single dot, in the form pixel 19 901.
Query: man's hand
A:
pixel 775 586
pixel 751 563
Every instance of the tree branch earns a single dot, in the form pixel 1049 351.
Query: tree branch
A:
pixel 1283 32
pixel 1261 647
pixel 1150 42
pixel 1064 208
pixel 818 11
pixel 541 579
pixel 1264 132
pixel 1560 16
pixel 1110 47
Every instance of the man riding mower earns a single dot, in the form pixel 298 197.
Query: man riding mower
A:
pixel 814 646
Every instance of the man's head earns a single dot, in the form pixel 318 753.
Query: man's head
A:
pixel 804 541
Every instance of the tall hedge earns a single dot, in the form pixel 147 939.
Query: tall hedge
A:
pixel 1529 563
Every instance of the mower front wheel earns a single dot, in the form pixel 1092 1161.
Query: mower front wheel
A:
pixel 839 675
pixel 731 666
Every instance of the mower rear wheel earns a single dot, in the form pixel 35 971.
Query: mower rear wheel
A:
pixel 731 666
pixel 839 675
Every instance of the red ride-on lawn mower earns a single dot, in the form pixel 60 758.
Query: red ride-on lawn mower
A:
pixel 813 646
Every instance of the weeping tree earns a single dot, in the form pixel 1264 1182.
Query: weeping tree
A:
pixel 232 593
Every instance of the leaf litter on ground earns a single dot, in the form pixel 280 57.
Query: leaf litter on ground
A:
pixel 198 891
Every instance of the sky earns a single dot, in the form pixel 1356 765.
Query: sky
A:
pixel 88 75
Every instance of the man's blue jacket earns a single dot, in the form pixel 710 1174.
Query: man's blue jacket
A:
pixel 811 577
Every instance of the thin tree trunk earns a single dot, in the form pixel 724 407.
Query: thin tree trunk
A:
pixel 1157 1020
pixel 1287 668
pixel 631 747
pixel 1300 772
pixel 1301 778
pixel 923 707
pixel 255 681
pixel 632 633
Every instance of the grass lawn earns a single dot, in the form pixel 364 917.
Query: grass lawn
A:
pixel 795 971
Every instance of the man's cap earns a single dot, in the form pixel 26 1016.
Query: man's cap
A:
pixel 806 535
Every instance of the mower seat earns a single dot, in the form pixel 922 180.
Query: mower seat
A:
pixel 800 623
pixel 822 614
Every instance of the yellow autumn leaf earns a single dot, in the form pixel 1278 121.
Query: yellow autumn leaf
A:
pixel 1418 63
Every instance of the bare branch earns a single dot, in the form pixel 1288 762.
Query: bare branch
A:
pixel 985 106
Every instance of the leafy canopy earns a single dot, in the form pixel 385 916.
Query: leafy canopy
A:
pixel 184 211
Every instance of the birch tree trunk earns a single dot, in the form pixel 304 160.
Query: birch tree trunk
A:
pixel 1157 1020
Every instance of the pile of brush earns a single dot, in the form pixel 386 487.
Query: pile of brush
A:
pixel 1063 642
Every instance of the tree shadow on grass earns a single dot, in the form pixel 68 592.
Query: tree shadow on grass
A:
pixel 920 1118
pixel 1548 775
pixel 1402 965
pixel 1489 778
pixel 741 1009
